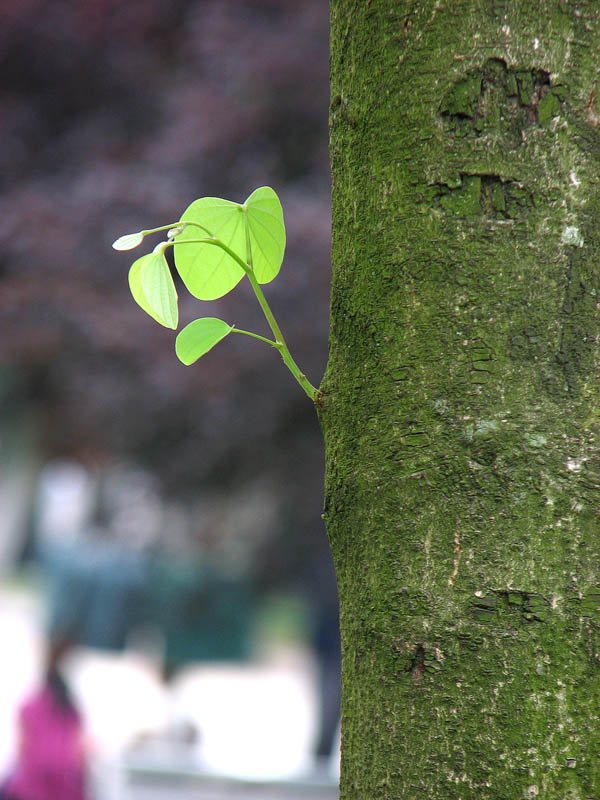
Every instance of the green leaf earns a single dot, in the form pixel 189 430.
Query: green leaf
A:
pixel 267 233
pixel 128 242
pixel 199 337
pixel 153 289
pixel 207 271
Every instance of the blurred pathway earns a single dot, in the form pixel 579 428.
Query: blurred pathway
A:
pixel 212 790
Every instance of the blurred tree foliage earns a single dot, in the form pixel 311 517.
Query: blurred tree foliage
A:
pixel 114 115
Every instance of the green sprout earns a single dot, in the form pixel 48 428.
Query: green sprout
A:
pixel 216 243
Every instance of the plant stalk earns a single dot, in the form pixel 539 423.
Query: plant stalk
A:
pixel 310 390
pixel 279 343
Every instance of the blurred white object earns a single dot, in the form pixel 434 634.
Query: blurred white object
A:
pixel 65 502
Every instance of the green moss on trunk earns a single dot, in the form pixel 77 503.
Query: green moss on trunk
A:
pixel 460 405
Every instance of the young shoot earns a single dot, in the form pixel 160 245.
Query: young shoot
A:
pixel 216 244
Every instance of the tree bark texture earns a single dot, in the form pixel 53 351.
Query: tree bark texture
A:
pixel 460 404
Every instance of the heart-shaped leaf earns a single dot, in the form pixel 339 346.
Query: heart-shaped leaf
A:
pixel 208 271
pixel 199 337
pixel 267 233
pixel 153 289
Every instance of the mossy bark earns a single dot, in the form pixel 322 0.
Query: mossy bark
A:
pixel 461 403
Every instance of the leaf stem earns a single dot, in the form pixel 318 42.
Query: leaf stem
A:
pixel 175 225
pixel 256 336
pixel 159 229
pixel 279 343
pixel 310 390
pixel 218 243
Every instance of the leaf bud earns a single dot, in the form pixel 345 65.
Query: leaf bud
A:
pixel 129 241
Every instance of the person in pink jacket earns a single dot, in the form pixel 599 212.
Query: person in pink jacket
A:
pixel 51 762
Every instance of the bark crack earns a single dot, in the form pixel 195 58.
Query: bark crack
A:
pixel 417 667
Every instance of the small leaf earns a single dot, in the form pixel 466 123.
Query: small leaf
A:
pixel 199 337
pixel 267 233
pixel 153 289
pixel 207 271
pixel 128 242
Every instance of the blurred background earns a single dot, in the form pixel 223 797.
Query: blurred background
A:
pixel 161 541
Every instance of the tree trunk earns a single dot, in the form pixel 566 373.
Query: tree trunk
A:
pixel 460 405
